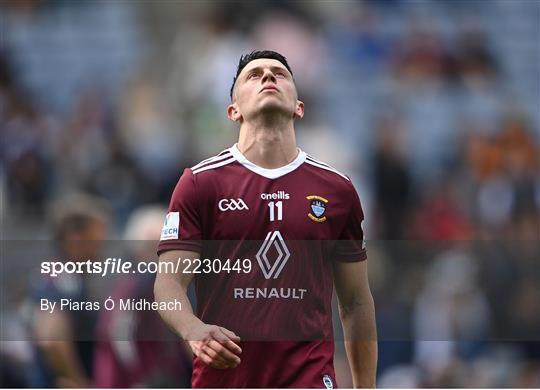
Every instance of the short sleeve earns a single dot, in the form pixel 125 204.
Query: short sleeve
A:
pixel 351 244
pixel 182 226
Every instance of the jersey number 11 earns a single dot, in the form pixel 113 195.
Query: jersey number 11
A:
pixel 273 206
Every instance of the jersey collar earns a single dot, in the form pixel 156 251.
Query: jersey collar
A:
pixel 268 173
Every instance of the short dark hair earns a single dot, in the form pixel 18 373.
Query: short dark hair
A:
pixel 74 213
pixel 255 55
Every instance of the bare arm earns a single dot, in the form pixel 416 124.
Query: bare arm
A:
pixel 54 336
pixel 214 345
pixel 357 312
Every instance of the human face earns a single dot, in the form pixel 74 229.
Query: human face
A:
pixel 264 86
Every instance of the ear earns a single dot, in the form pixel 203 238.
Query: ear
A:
pixel 299 110
pixel 233 113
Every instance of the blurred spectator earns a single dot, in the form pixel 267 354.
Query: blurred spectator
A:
pixel 135 348
pixel 14 357
pixel 22 150
pixel 148 134
pixel 422 55
pixel 475 60
pixel 439 217
pixel 64 338
pixel 83 144
pixel 506 169
pixel 393 187
pixel 451 313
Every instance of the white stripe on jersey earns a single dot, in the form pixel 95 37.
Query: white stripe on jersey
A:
pixel 319 162
pixel 312 161
pixel 213 166
pixel 219 157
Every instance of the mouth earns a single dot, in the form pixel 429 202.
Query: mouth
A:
pixel 269 88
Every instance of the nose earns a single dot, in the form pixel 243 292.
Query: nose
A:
pixel 268 76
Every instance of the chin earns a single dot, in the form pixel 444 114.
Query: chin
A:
pixel 274 107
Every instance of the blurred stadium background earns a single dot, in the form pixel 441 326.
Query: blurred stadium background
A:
pixel 431 106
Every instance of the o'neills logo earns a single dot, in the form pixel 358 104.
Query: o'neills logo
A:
pixel 269 293
pixel 276 195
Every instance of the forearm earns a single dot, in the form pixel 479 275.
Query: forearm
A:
pixel 213 345
pixel 54 337
pixel 62 357
pixel 360 333
pixel 168 289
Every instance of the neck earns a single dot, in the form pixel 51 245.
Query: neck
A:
pixel 268 145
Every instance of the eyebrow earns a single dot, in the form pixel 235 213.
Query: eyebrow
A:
pixel 272 68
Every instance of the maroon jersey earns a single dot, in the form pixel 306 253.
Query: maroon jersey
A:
pixel 280 231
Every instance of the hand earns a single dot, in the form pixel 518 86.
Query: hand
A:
pixel 215 346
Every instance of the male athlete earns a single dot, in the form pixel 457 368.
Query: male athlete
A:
pixel 265 232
